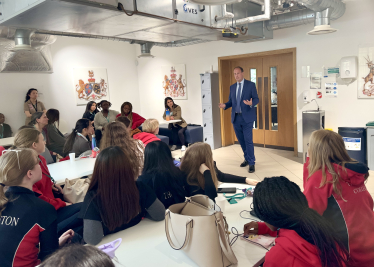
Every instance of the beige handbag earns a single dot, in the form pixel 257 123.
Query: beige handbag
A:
pixel 75 190
pixel 199 229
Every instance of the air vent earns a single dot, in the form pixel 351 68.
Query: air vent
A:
pixel 322 29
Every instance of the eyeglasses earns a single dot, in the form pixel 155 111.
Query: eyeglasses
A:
pixel 10 150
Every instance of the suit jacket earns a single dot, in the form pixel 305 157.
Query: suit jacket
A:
pixel 249 91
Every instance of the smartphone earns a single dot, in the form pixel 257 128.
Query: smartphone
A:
pixel 230 190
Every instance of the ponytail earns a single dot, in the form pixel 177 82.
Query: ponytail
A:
pixel 280 203
pixel 14 165
pixel 79 126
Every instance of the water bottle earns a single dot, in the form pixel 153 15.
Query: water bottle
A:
pixel 167 115
pixel 93 142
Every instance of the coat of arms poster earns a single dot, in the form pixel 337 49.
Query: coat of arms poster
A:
pixel 366 72
pixel 174 82
pixel 90 84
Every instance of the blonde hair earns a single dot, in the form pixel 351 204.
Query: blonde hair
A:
pixel 150 125
pixel 196 155
pixel 325 149
pixel 26 137
pixel 13 168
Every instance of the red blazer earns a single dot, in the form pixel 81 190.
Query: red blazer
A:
pixel 43 188
pixel 146 137
pixel 137 120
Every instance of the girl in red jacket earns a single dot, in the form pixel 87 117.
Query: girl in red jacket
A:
pixel 135 119
pixel 150 129
pixel 305 239
pixel 334 185
pixel 67 213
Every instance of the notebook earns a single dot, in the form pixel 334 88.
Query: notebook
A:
pixel 260 240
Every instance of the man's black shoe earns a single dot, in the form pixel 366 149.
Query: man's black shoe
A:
pixel 251 168
pixel 244 163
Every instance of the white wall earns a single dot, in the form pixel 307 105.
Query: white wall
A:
pixel 57 89
pixel 355 28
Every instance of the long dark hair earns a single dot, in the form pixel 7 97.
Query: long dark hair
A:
pixel 166 103
pixel 29 92
pixel 88 107
pixel 98 105
pixel 78 256
pixel 53 116
pixel 113 179
pixel 279 202
pixel 158 163
pixel 79 126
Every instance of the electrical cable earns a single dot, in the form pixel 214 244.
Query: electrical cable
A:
pixel 120 7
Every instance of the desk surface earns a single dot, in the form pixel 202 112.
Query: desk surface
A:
pixel 7 141
pixel 146 245
pixel 71 170
pixel 171 121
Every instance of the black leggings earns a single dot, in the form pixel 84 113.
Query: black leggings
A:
pixel 177 132
pixel 67 218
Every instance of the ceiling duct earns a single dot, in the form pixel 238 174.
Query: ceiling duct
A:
pixel 317 12
pixel 22 40
pixel 146 50
pixel 322 23
pixel 36 59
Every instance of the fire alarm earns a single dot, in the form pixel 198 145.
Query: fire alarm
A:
pixel 319 94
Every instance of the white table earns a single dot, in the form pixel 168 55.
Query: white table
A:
pixel 146 245
pixel 7 141
pixel 167 122
pixel 71 170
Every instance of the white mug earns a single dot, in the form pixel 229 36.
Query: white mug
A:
pixel 72 157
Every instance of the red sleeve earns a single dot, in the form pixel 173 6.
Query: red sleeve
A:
pixel 137 120
pixel 317 197
pixel 118 115
pixel 263 229
pixel 44 187
pixel 1 150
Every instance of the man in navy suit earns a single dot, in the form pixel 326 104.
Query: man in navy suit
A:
pixel 243 98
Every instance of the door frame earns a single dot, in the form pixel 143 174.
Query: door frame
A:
pixel 224 65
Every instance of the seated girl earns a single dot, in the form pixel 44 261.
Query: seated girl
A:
pixel 29 228
pixel 304 237
pixel 115 175
pixel 103 117
pixel 5 130
pixel 150 129
pixel 135 119
pixel 334 185
pixel 202 173
pixel 116 134
pixel 67 213
pixel 79 141
pixel 160 174
pixel 55 139
pixel 90 112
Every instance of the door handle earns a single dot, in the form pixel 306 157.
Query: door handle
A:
pixel 204 124
pixel 203 96
pixel 204 110
pixel 206 139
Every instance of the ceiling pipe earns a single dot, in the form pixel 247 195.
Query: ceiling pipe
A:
pixel 337 6
pixel 226 15
pixel 291 19
pixel 145 50
pixel 263 17
pixel 322 23
pixel 22 39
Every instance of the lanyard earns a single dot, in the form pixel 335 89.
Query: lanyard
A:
pixel 53 180
pixel 36 108
pixel 81 135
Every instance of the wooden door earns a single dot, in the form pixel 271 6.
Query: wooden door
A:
pixel 278 101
